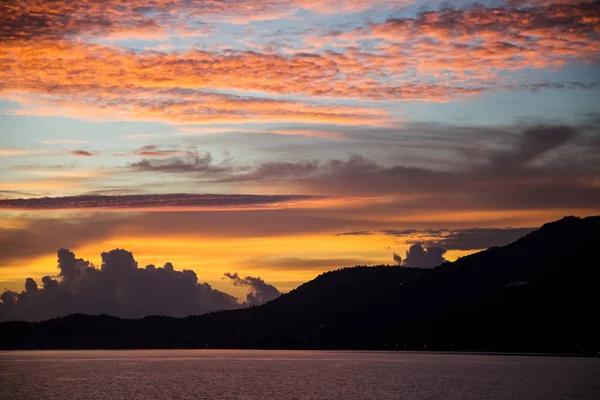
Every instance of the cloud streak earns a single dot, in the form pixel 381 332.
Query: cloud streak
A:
pixel 199 164
pixel 81 153
pixel 34 237
pixel 419 257
pixel 462 239
pixel 150 202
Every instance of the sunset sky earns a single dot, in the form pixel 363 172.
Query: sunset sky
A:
pixel 282 139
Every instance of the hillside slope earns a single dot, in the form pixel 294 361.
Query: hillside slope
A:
pixel 537 294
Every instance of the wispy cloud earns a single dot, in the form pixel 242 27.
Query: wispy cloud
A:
pixel 20 152
pixel 81 153
pixel 460 239
pixel 526 171
pixel 61 141
pixel 153 202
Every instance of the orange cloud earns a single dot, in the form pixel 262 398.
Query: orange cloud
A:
pixel 480 39
pixel 40 19
pixel 20 152
pixel 159 100
pixel 453 53
pixel 81 153
pixel 39 184
pixel 346 6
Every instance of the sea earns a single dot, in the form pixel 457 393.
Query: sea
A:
pixel 258 374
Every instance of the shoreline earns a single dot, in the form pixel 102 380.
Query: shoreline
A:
pixel 432 352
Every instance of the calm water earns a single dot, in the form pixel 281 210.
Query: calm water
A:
pixel 225 374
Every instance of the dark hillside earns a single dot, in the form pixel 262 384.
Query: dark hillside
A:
pixel 538 294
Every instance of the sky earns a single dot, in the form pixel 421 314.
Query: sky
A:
pixel 281 139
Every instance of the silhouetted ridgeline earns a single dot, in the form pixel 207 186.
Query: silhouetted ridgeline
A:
pixel 538 294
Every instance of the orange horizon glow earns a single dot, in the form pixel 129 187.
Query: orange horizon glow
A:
pixel 211 258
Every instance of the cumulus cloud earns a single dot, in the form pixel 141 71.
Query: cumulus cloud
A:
pixel 260 291
pixel 120 288
pixel 420 257
pixel 397 259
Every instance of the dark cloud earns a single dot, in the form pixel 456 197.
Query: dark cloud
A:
pixel 397 259
pixel 565 182
pixel 38 235
pixel 147 200
pixel 260 291
pixel 120 288
pixel 42 236
pixel 55 20
pixel 50 20
pixel 154 151
pixel 11 194
pixel 356 233
pixel 356 176
pixel 420 257
pixel 277 170
pixel 514 167
pixel 533 143
pixel 114 191
pixel 409 232
pixel 30 285
pixel 161 151
pixel 69 266
pixel 81 153
pixel 539 86
pixel 9 297
pixel 191 163
pixel 535 167
pixel 463 239
pixel 480 238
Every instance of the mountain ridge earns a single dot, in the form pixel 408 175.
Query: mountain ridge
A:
pixel 533 295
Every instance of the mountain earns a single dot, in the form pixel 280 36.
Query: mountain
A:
pixel 538 294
